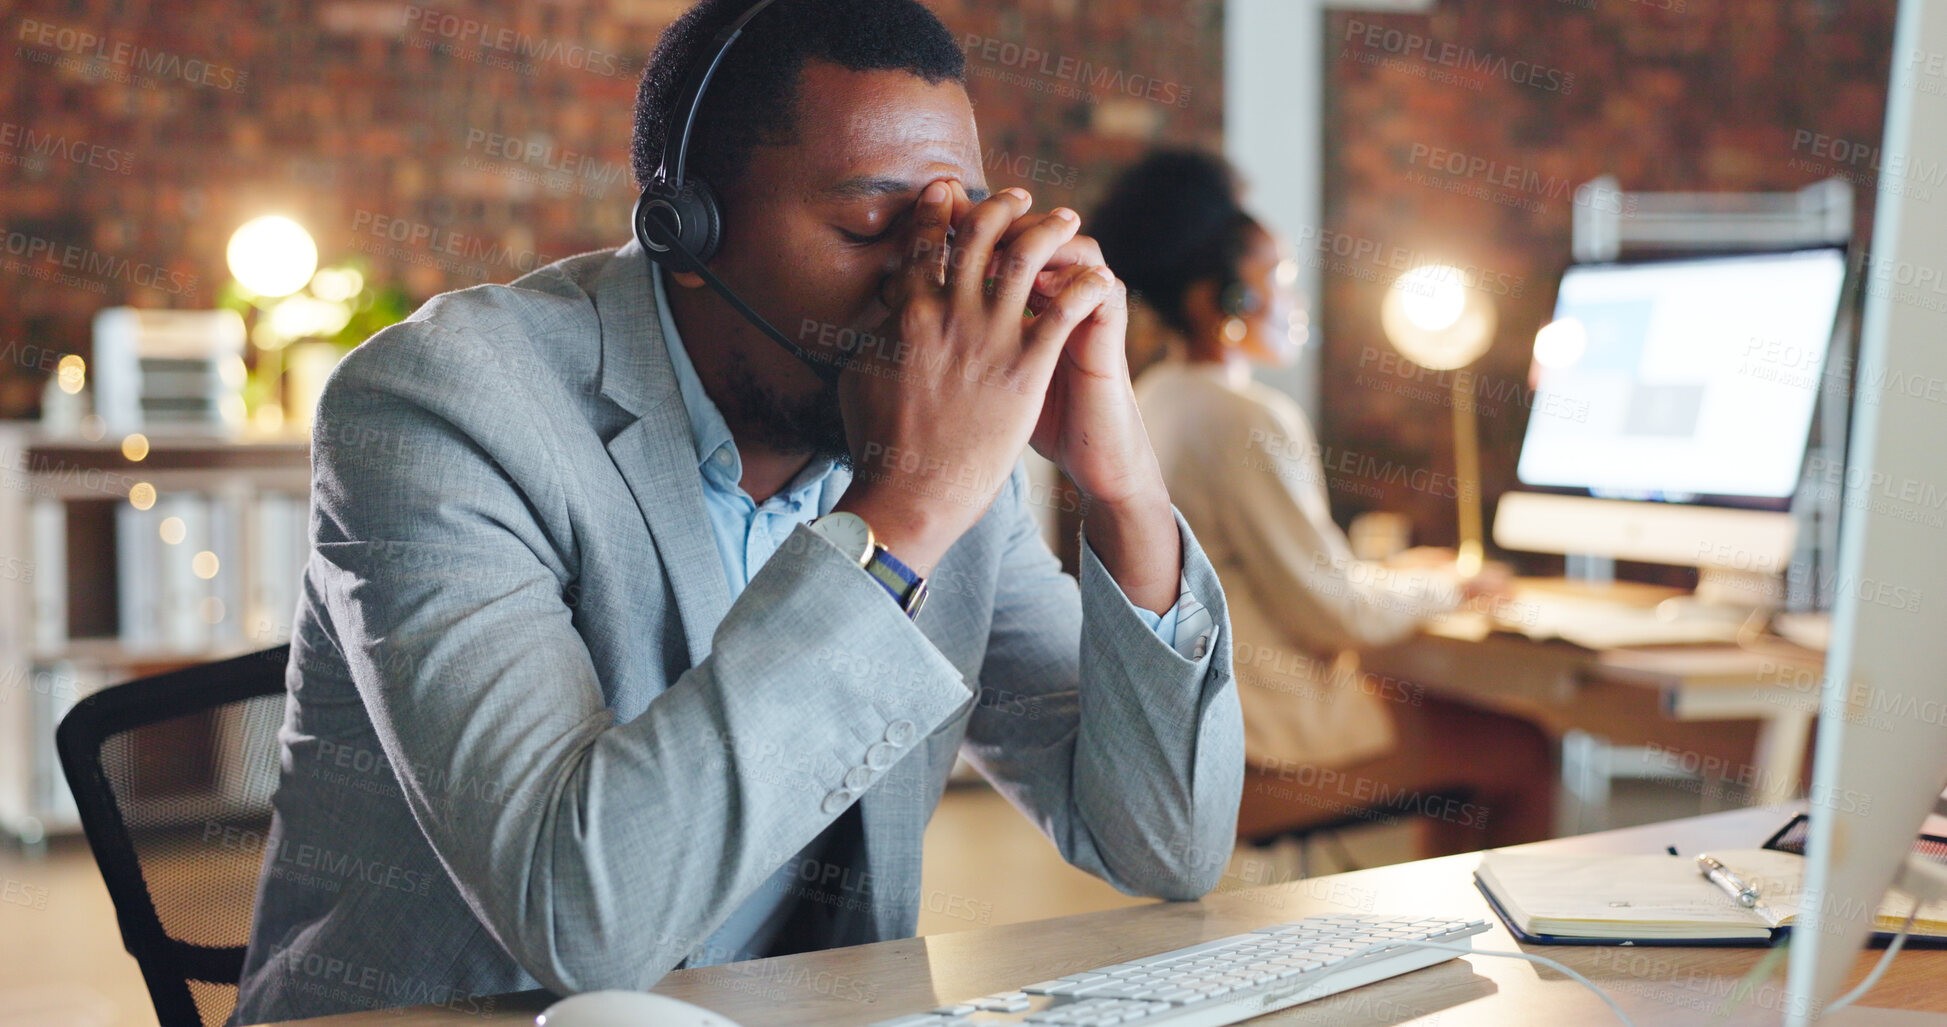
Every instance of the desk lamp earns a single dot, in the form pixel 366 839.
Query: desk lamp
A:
pixel 1435 321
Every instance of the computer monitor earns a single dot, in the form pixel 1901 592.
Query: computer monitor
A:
pixel 1882 736
pixel 1673 404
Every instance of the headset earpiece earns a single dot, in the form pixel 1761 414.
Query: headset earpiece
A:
pixel 1240 300
pixel 691 215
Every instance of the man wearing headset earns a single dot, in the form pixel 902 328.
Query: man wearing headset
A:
pixel 613 654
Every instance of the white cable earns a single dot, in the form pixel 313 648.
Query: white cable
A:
pixel 1467 950
pixel 1879 968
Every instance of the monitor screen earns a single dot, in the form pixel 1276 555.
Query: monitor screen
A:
pixel 1683 380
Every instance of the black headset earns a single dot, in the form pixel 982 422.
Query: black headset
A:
pixel 679 220
pixel 1240 300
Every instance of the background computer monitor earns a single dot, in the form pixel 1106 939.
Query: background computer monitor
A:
pixel 1882 737
pixel 1673 404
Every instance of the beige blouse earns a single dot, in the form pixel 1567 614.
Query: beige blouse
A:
pixel 1243 465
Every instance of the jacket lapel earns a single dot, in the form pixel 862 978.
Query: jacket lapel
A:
pixel 658 461
pixel 655 454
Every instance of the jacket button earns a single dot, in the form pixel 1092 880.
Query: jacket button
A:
pixel 857 778
pixel 902 733
pixel 880 755
pixel 836 802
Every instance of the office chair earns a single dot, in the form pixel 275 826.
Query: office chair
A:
pixel 172 776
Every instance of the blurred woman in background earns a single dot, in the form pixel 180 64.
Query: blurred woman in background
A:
pixel 1325 742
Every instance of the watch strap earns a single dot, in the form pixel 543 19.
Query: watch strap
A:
pixel 905 585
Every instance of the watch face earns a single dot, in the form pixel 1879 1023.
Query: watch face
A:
pixel 848 532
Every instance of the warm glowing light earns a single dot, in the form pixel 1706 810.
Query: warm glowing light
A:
pixel 337 285
pixel 73 373
pixel 1431 297
pixel 204 564
pixel 1287 272
pixel 1434 320
pixel 1561 344
pixel 141 495
pixel 172 530
pixel 135 446
pixel 272 256
pixel 301 317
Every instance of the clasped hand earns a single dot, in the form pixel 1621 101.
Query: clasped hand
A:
pixel 1012 334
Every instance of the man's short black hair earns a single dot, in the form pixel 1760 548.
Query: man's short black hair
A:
pixel 753 98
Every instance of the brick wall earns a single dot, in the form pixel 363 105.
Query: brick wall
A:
pixel 1535 97
pixel 491 136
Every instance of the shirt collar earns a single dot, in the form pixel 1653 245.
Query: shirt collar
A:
pixel 716 451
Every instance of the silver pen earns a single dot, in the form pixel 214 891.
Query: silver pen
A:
pixel 1734 886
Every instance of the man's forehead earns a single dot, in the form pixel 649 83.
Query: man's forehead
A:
pixel 866 187
pixel 867 134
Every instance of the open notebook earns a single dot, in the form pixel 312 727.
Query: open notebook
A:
pixel 1664 900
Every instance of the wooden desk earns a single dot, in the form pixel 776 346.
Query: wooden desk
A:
pixel 855 986
pixel 1676 697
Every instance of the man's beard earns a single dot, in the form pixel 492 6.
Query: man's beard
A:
pixel 810 424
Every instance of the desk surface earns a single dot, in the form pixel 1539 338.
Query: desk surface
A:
pixel 854 986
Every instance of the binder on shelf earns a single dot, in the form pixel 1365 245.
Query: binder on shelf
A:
pixel 184 628
pixel 139 590
pixel 279 533
pixel 223 613
pixel 49 570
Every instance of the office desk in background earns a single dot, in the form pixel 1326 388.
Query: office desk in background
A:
pixel 1657 986
pixel 1748 706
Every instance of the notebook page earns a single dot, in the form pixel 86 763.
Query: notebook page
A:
pixel 1628 893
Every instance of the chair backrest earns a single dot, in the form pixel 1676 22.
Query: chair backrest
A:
pixel 173 776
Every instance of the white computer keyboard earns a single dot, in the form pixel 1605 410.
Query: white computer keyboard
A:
pixel 1224 981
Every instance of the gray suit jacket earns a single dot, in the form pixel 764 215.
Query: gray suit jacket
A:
pixel 530 741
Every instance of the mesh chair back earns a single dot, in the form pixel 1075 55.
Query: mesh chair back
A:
pixel 173 776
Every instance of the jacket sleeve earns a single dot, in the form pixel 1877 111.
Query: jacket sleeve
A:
pixel 1125 753
pixel 598 854
pixel 1274 507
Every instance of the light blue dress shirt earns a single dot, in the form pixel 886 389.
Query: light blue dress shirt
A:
pixel 747 534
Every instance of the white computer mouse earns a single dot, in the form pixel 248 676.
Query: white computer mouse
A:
pixel 627 1009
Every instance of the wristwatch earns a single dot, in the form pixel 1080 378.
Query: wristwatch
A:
pixel 853 537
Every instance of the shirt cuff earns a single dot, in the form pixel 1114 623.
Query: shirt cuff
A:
pixel 1186 627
